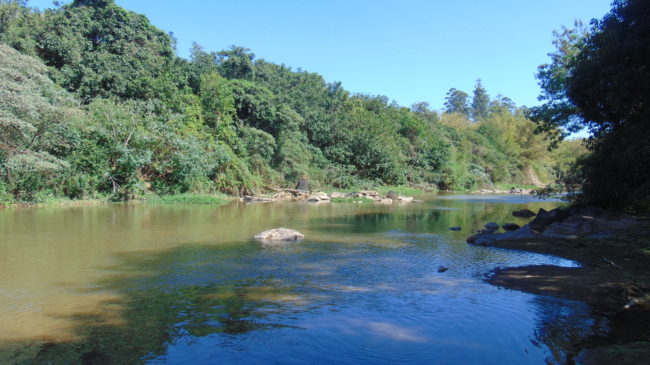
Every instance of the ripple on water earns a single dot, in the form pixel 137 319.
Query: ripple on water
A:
pixel 188 285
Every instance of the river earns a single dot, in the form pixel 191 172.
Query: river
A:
pixel 128 284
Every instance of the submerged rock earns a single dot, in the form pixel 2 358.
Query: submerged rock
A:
pixel 442 269
pixel 491 227
pixel 280 234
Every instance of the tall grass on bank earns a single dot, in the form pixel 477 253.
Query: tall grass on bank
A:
pixel 189 198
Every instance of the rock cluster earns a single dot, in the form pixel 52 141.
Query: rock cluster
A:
pixel 569 223
pixel 518 191
pixel 319 197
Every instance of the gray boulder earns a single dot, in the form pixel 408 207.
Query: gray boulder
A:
pixel 491 226
pixel 392 194
pixel 485 239
pixel 546 218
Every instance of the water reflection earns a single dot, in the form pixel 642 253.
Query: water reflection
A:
pixel 186 285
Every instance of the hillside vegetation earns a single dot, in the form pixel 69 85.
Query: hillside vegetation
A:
pixel 94 103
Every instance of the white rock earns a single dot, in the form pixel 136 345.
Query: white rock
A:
pixel 322 196
pixel 404 199
pixel 280 234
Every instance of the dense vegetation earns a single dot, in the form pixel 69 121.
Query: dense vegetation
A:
pixel 599 79
pixel 95 103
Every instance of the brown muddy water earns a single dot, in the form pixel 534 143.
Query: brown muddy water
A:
pixel 129 284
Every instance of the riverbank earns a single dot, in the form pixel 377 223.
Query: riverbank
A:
pixel 186 198
pixel 614 279
pixel 220 199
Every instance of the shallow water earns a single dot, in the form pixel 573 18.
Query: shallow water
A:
pixel 185 284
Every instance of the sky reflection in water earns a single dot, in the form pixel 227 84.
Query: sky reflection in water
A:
pixel 187 285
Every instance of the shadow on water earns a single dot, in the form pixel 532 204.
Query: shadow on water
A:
pixel 365 289
pixel 168 296
pixel 220 296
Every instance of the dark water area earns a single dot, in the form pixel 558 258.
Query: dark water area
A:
pixel 128 284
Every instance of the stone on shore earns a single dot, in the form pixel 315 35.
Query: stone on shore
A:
pixel 404 199
pixel 454 228
pixel 487 238
pixel 279 234
pixel 491 227
pixel 257 199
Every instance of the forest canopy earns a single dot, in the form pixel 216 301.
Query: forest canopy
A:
pixel 95 103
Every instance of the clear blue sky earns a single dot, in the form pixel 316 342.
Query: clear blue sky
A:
pixel 408 50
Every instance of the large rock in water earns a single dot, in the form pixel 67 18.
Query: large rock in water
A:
pixel 524 213
pixel 279 234
pixel 491 226
pixel 487 238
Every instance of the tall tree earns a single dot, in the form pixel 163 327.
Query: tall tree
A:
pixel 99 49
pixel 480 102
pixel 605 86
pixel 558 115
pixel 457 102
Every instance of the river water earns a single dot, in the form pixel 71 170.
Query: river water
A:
pixel 128 284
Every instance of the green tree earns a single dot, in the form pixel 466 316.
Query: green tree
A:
pixel 457 101
pixel 558 115
pixel 605 86
pixel 480 102
pixel 99 49
pixel 35 135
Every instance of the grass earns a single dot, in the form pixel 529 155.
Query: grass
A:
pixel 403 190
pixel 189 198
pixel 508 186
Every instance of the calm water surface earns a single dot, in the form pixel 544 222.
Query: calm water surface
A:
pixel 129 284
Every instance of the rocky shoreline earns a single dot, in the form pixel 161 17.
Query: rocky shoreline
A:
pixel 614 253
pixel 322 197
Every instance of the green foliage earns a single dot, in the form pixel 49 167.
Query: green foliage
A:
pixel 99 49
pixel 480 102
pixel 125 118
pixel 34 135
pixel 457 102
pixel 19 26
pixel 188 198
pixel 602 82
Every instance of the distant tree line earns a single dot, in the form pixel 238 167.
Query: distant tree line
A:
pixel 94 102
